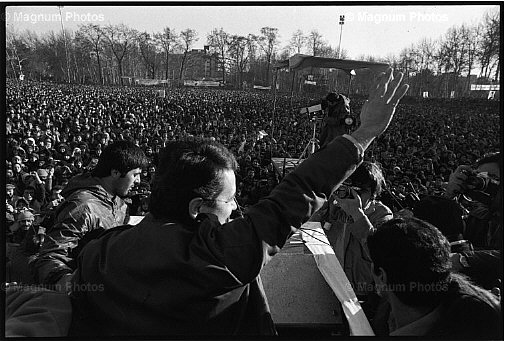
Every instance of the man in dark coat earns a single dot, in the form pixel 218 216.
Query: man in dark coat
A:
pixel 187 268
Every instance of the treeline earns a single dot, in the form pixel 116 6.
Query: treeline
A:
pixel 104 54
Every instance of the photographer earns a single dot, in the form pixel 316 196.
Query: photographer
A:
pixel 481 185
pixel 484 228
pixel 349 217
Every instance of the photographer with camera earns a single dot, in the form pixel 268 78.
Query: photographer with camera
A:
pixel 479 187
pixel 350 215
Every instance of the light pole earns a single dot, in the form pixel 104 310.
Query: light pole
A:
pixel 341 23
pixel 65 41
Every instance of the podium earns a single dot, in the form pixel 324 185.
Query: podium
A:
pixel 298 296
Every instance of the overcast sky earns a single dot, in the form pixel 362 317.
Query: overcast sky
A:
pixel 369 30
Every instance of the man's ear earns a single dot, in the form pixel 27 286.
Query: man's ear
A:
pixel 194 207
pixel 380 274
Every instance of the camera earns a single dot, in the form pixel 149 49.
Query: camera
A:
pixel 461 246
pixel 344 192
pixel 484 188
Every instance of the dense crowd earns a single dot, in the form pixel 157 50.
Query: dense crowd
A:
pixel 57 131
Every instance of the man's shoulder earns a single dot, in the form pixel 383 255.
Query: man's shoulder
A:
pixel 468 297
pixel 469 311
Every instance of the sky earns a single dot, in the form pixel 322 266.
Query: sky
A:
pixel 368 30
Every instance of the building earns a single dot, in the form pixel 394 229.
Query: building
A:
pixel 199 65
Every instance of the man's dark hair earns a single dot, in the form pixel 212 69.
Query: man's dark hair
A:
pixel 369 175
pixel 188 169
pixel 491 158
pixel 415 257
pixel 445 214
pixel 122 156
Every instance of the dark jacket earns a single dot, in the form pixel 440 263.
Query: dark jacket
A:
pixel 166 278
pixel 88 210
pixel 466 312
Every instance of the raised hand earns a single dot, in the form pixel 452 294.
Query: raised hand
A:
pixel 378 110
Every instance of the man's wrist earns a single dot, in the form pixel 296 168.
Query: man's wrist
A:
pixel 363 138
pixel 356 143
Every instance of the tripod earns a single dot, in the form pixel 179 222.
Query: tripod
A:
pixel 312 142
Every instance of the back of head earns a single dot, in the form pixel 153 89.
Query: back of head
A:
pixel 188 169
pixel 415 256
pixel 491 158
pixel 369 175
pixel 342 101
pixel 122 156
pixel 443 213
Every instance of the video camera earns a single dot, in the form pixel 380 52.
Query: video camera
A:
pixel 342 105
pixel 312 110
pixel 484 188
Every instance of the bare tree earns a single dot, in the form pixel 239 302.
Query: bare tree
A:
pixel 490 44
pixel 315 42
pixel 297 41
pixel 219 42
pixel 188 37
pixel 167 40
pixel 120 39
pixel 268 41
pixel 238 53
pixel 147 48
pixel 470 40
pixel 95 36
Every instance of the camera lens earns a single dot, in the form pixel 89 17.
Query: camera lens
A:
pixel 343 192
pixel 479 183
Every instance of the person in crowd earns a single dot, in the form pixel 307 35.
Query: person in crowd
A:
pixel 11 197
pixel 193 269
pixel 349 216
pixel 29 195
pixel 484 224
pixel 337 108
pixel 93 203
pixel 18 230
pixel 55 199
pixel 412 270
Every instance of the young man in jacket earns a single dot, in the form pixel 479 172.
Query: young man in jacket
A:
pixel 93 203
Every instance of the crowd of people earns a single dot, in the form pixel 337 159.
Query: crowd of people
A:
pixel 57 131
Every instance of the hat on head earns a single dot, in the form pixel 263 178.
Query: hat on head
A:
pixel 25 215
pixel 42 172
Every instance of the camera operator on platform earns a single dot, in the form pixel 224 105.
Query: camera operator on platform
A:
pixel 338 119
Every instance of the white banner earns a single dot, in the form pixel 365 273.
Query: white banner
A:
pixel 202 83
pixel 259 87
pixel 145 81
pixel 329 266
pixel 485 87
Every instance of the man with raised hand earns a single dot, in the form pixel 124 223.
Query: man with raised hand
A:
pixel 187 268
